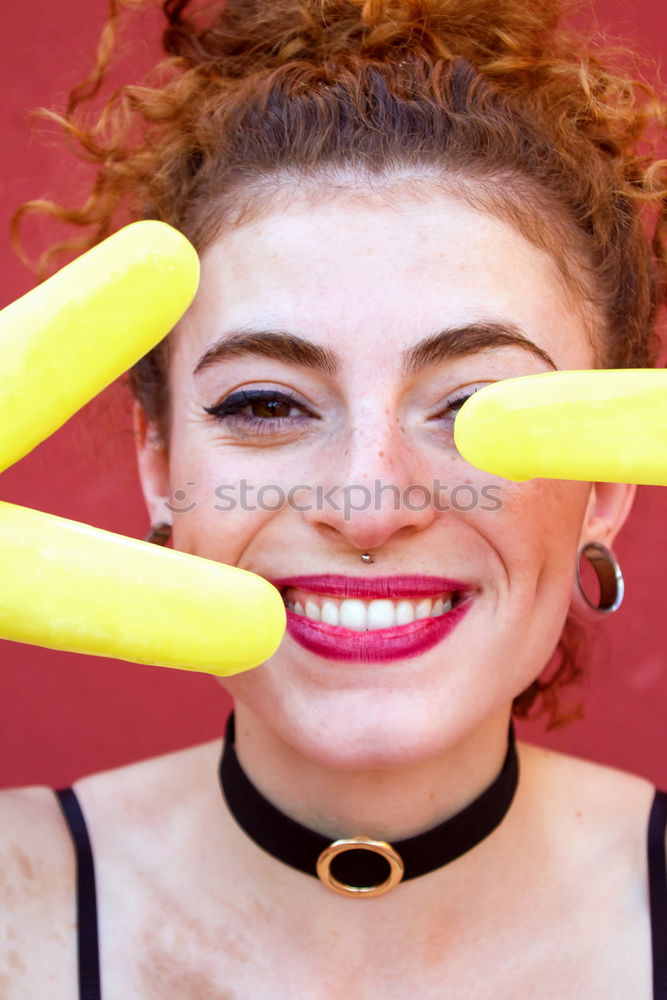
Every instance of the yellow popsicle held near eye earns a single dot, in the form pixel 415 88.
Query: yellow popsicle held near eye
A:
pixel 72 587
pixel 606 425
pixel 70 337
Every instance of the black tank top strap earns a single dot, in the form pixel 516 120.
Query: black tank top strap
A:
pixel 86 897
pixel 657 869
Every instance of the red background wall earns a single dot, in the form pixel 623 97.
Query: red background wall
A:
pixel 63 715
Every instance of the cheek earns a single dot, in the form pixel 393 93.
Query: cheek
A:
pixel 221 498
pixel 536 534
pixel 531 544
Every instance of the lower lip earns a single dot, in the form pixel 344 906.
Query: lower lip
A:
pixel 377 646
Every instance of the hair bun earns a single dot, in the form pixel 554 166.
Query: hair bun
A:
pixel 474 29
pixel 251 34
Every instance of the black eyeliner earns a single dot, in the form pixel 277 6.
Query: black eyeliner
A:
pixel 245 397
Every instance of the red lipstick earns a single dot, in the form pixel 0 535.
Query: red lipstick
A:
pixel 368 588
pixel 335 642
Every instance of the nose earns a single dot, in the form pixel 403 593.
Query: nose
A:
pixel 373 488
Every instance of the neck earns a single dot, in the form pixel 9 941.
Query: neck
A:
pixel 385 803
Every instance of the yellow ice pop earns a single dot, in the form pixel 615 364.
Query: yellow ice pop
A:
pixel 607 425
pixel 67 339
pixel 69 586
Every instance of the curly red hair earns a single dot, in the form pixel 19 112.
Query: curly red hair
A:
pixel 501 102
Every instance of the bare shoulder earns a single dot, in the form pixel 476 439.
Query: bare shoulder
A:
pixel 123 809
pixel 37 915
pixel 146 820
pixel 133 795
pixel 603 809
pixel 584 782
pixel 32 840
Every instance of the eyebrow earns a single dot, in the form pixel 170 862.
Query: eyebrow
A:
pixel 453 342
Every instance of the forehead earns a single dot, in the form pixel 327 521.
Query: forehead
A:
pixel 365 274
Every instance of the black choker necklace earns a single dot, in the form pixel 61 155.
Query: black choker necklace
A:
pixel 359 866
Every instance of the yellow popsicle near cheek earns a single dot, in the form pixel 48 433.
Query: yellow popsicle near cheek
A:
pixel 606 425
pixel 67 339
pixel 72 587
pixel 69 586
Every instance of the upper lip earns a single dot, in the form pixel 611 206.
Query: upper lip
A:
pixel 373 587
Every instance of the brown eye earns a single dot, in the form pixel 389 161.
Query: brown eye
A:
pixel 260 411
pixel 268 408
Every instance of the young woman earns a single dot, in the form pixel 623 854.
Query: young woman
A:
pixel 395 204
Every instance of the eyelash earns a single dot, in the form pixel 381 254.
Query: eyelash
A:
pixel 229 409
pixel 458 401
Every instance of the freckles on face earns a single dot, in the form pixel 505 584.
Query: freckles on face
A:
pixel 538 530
pixel 365 285
pixel 228 497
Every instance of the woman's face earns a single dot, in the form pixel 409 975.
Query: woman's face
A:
pixel 308 427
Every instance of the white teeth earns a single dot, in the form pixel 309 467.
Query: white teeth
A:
pixel 360 616
pixel 313 611
pixel 353 615
pixel 423 608
pixel 330 613
pixel 405 613
pixel 381 614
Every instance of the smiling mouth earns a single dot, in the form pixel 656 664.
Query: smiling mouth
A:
pixel 368 615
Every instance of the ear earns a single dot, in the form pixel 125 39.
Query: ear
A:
pixel 608 507
pixel 153 463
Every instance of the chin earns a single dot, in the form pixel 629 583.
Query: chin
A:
pixel 381 731
pixel 372 718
